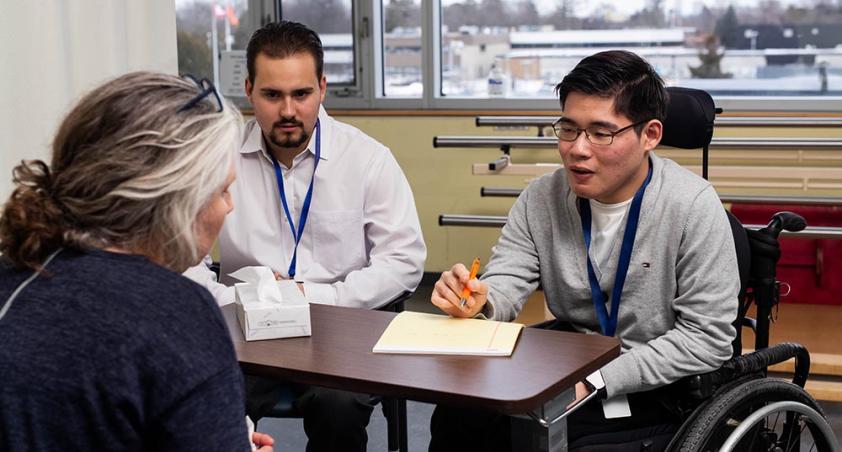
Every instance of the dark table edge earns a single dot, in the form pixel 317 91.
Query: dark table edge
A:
pixel 520 406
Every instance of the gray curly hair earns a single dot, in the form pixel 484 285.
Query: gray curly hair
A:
pixel 130 169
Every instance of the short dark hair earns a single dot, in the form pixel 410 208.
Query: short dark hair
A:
pixel 638 90
pixel 283 39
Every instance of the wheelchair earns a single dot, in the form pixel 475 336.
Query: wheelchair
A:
pixel 738 407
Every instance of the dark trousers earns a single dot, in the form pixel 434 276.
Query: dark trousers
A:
pixel 334 420
pixel 467 429
pixel 654 417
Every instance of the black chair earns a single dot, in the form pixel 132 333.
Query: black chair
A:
pixel 726 409
pixel 394 410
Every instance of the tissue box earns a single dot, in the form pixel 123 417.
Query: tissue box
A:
pixel 269 320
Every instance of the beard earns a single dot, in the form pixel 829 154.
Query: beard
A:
pixel 290 140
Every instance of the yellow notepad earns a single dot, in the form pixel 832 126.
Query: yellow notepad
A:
pixel 415 332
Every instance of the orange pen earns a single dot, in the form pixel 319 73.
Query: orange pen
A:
pixel 466 292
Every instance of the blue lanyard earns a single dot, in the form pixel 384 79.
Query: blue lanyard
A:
pixel 609 324
pixel 305 209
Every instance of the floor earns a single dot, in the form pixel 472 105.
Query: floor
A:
pixel 290 436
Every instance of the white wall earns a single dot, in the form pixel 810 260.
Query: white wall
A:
pixel 52 51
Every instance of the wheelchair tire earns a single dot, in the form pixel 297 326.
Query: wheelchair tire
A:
pixel 702 408
pixel 714 423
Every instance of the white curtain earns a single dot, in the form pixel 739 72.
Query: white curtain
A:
pixel 52 51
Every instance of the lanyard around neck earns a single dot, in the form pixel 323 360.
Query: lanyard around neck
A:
pixel 606 322
pixel 305 209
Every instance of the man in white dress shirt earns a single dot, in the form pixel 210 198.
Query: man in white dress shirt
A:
pixel 301 174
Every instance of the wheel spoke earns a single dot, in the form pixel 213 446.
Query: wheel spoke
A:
pixel 742 417
pixel 786 434
pixel 777 417
pixel 800 433
pixel 790 444
pixel 754 437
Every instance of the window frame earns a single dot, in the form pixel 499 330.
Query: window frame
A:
pixel 368 92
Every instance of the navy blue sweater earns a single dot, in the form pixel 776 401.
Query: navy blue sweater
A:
pixel 113 352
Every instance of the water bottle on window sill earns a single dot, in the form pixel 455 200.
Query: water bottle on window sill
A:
pixel 498 82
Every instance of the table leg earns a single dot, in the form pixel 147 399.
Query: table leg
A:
pixel 535 431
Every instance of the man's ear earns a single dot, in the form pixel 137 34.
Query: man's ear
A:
pixel 248 88
pixel 322 88
pixel 652 133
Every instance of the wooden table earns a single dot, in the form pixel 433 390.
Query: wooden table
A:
pixel 544 365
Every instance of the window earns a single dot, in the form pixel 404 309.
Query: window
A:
pixel 522 48
pixel 229 24
pixel 402 48
pixel 333 21
pixel 474 54
pixel 205 26
pixel 222 26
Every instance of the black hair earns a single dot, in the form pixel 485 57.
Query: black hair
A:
pixel 638 90
pixel 282 39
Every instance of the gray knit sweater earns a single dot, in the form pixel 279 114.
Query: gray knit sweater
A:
pixel 680 295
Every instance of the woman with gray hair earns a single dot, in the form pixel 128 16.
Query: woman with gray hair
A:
pixel 105 345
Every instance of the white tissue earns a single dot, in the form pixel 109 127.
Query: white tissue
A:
pixel 263 279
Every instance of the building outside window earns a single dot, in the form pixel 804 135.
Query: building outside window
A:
pixel 378 51
pixel 751 47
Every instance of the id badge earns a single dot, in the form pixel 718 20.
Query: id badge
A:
pixel 616 407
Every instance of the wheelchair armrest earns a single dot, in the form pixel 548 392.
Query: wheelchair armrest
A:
pixel 702 386
pixel 396 304
pixel 759 360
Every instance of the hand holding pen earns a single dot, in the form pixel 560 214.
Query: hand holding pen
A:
pixel 458 292
pixel 466 292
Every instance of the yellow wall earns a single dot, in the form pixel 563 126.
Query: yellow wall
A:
pixel 442 182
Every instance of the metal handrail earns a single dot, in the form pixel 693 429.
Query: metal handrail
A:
pixel 799 200
pixel 731 199
pixel 728 121
pixel 494 142
pixel 472 220
pixel 810 232
pixel 760 121
pixel 494 192
pixel 743 143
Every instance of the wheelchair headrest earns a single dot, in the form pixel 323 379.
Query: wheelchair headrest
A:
pixel 690 116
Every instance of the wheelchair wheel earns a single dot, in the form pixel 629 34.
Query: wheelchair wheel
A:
pixel 784 427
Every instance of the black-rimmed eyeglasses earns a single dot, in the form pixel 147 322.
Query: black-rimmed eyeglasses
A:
pixel 206 88
pixel 597 135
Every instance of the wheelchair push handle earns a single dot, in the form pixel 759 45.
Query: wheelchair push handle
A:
pixel 788 221
pixel 765 253
pixel 765 248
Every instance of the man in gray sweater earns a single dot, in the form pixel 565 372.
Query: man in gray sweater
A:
pixel 624 243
